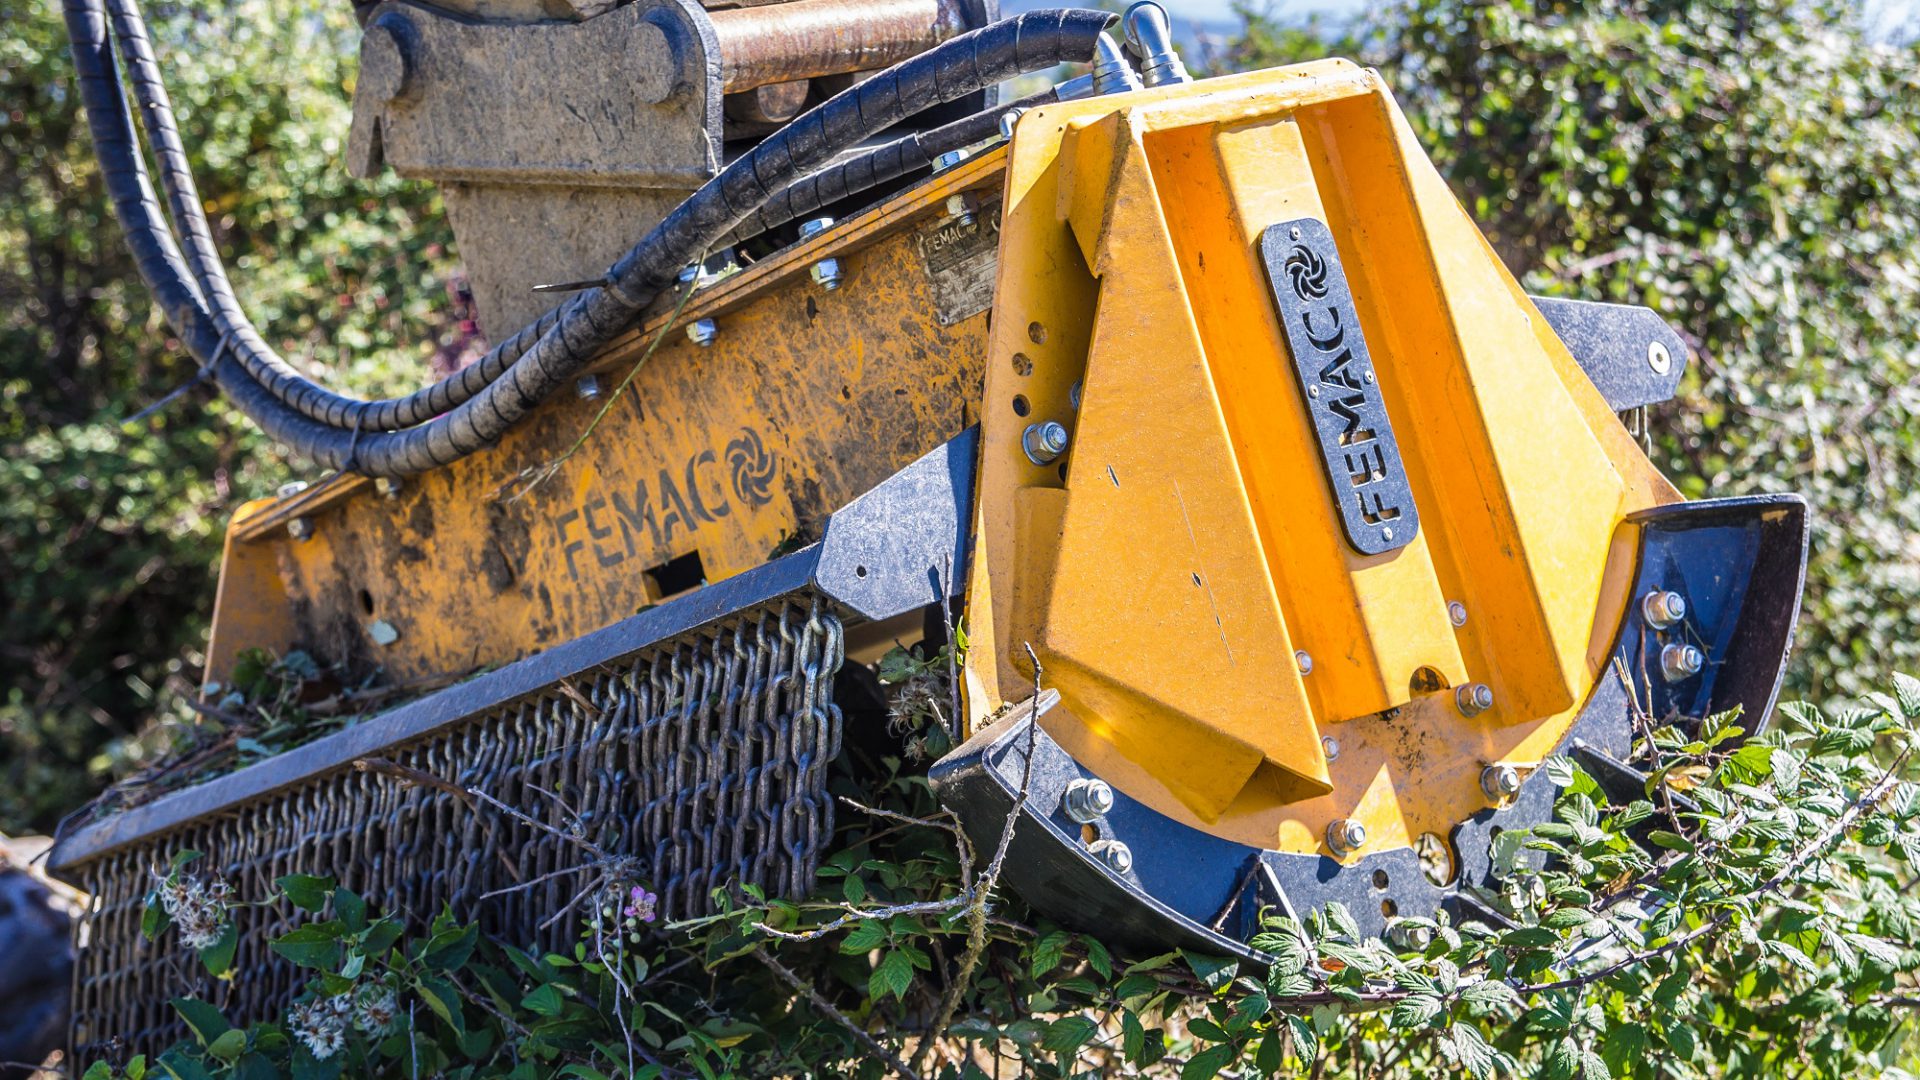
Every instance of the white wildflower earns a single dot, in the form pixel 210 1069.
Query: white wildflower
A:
pixel 375 1008
pixel 198 907
pixel 319 1026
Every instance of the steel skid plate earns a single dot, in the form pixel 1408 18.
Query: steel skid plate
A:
pixel 1739 562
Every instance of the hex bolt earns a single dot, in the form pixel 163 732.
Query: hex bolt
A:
pixel 1330 746
pixel 826 272
pixel 1114 853
pixel 289 489
pixel 300 528
pixel 1500 782
pixel 1663 609
pixel 1456 613
pixel 1346 836
pixel 702 332
pixel 948 160
pixel 960 209
pixel 1473 698
pixel 588 387
pixel 1044 442
pixel 1409 935
pixel 388 486
pixel 1009 120
pixel 1658 358
pixel 1085 800
pixel 1679 661
pixel 1303 660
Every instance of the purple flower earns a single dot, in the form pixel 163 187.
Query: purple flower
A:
pixel 640 904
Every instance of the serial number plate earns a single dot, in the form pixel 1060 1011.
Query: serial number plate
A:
pixel 1341 388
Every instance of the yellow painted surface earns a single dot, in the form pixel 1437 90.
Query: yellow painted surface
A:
pixel 807 399
pixel 1168 566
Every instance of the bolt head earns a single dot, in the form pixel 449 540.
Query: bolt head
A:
pixel 1679 661
pixel 1456 613
pixel 702 332
pixel 588 387
pixel 1044 441
pixel 1115 854
pixel 1008 120
pixel 1500 782
pixel 291 488
pixel 826 274
pixel 814 227
pixel 1663 609
pixel 300 528
pixel 1659 359
pixel 1410 936
pixel 1473 698
pixel 1330 746
pixel 948 160
pixel 388 486
pixel 1346 835
pixel 1087 799
pixel 1303 660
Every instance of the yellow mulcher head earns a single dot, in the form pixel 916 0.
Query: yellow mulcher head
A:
pixel 1318 528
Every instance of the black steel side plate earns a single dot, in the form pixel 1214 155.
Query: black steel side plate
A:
pixel 1341 388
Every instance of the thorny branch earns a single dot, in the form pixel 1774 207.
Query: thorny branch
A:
pixel 825 1008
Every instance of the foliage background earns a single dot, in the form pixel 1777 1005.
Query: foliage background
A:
pixel 1749 169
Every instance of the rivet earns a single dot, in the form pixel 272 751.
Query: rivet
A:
pixel 1330 746
pixel 1086 799
pixel 1658 358
pixel 1457 612
pixel 1304 661
pixel 1473 698
pixel 588 387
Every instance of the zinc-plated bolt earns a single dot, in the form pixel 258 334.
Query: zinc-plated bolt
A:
pixel 702 332
pixel 948 160
pixel 689 274
pixel 291 488
pixel 1114 854
pixel 1084 800
pixel 1044 442
pixel 1663 609
pixel 388 486
pixel 1303 660
pixel 1457 612
pixel 299 528
pixel 1500 782
pixel 1410 936
pixel 1009 120
pixel 1679 661
pixel 1330 746
pixel 826 272
pixel 960 209
pixel 1346 835
pixel 1473 698
pixel 1658 358
pixel 588 387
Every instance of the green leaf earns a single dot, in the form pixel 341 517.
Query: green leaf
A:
pixel 228 1046
pixel 1068 1034
pixel 893 975
pixel 305 891
pixel 1213 971
pixel 1048 952
pixel 1593 1067
pixel 204 1019
pixel 1133 1036
pixel 1208 1030
pixel 351 909
pixel 1490 993
pixel 99 1070
pixel 544 999
pixel 1306 1042
pixel 315 946
pixel 1098 958
pixel 218 957
pixel 1907 690
pixel 1415 1011
pixel 1469 1050
pixel 866 936
pixel 1209 1063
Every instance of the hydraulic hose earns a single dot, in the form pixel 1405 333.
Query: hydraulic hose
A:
pixel 557 345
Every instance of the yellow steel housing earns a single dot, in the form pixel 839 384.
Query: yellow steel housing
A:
pixel 1181 572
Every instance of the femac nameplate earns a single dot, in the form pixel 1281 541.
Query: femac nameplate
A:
pixel 1340 386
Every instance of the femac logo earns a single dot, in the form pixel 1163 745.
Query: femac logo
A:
pixel 1307 273
pixel 753 467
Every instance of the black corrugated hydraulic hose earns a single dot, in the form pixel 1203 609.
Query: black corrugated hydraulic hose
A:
pixel 563 340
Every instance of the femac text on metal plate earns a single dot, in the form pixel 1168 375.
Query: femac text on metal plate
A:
pixel 1340 386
